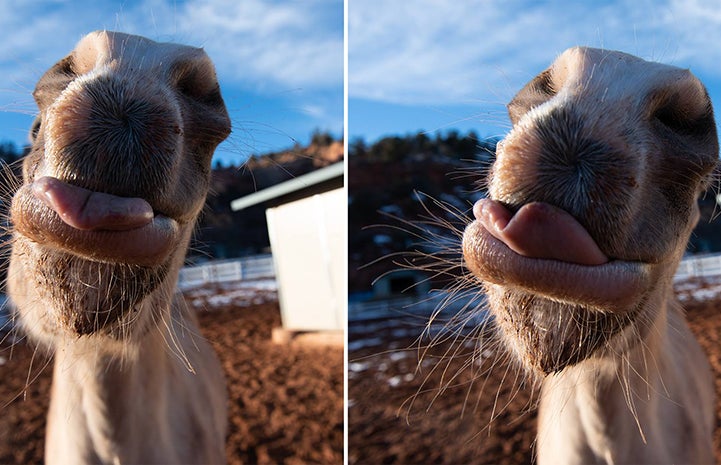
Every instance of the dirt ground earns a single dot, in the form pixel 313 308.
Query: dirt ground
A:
pixel 398 416
pixel 286 402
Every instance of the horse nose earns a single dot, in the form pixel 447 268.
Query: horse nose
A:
pixel 105 126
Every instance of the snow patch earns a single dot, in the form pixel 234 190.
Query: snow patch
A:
pixel 695 289
pixel 238 293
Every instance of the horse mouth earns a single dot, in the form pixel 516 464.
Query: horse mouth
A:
pixel 556 258
pixel 95 226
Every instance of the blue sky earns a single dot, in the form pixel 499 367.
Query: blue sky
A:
pixel 279 62
pixel 435 65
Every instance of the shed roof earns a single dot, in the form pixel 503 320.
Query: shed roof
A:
pixel 317 181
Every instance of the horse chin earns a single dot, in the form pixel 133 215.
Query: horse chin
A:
pixel 84 297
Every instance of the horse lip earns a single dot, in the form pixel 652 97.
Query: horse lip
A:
pixel 616 286
pixel 147 245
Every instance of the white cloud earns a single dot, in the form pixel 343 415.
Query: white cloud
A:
pixel 696 25
pixel 289 43
pixel 317 111
pixel 434 52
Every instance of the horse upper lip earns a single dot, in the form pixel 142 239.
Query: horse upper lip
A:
pixel 540 230
pixel 86 209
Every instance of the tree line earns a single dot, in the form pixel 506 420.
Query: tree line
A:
pixel 451 144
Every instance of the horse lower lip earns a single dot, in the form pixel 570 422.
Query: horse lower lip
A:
pixel 148 245
pixel 615 286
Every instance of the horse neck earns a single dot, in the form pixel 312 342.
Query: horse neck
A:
pixel 109 397
pixel 606 406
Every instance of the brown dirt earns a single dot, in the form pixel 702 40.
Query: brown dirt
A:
pixel 286 402
pixel 481 418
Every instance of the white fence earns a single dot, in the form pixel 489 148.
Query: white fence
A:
pixel 699 266
pixel 255 267
pixel 378 309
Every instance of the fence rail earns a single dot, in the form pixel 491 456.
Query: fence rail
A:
pixel 699 266
pixel 255 267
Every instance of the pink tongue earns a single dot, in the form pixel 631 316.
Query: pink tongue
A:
pixel 540 230
pixel 88 210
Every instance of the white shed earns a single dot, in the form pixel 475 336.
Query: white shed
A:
pixel 307 218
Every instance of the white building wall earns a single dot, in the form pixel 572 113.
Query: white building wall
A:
pixel 308 238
